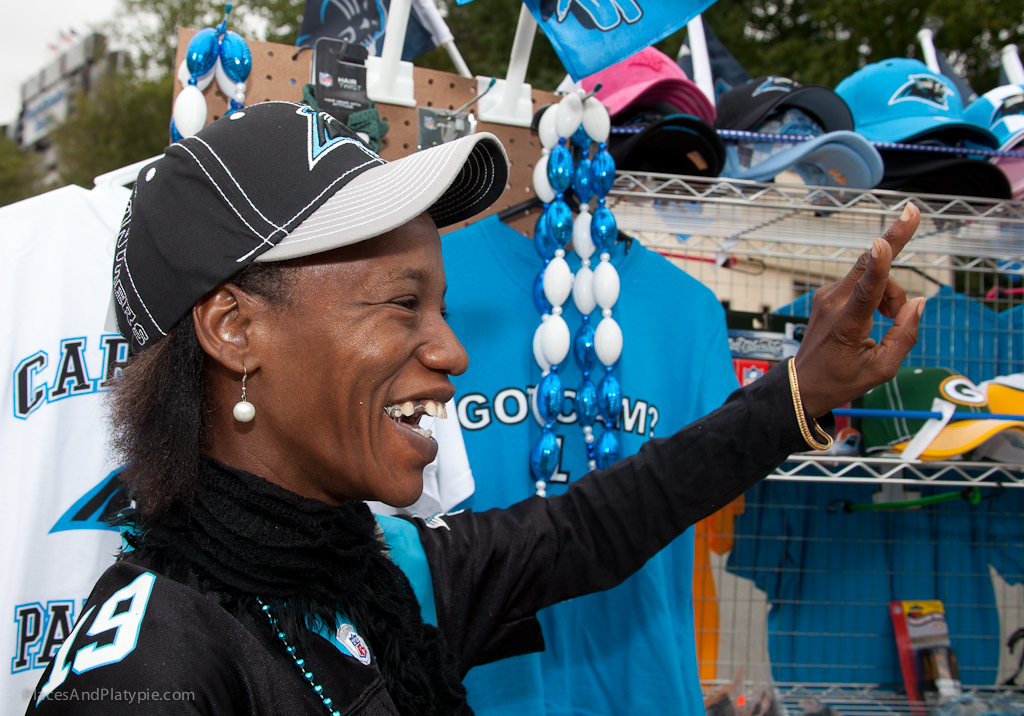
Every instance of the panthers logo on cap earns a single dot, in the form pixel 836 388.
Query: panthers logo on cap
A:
pixel 923 88
pixel 1014 104
pixel 776 84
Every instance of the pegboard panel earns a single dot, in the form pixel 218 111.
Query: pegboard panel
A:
pixel 280 71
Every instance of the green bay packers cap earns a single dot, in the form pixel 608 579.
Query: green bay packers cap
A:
pixel 271 182
pixel 916 389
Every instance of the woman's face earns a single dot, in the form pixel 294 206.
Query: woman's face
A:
pixel 363 335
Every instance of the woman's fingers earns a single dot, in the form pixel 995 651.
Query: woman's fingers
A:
pixel 899 339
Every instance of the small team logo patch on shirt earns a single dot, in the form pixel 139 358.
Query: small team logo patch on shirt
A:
pixel 436 521
pixel 353 643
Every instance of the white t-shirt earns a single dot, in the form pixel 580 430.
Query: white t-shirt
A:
pixel 56 253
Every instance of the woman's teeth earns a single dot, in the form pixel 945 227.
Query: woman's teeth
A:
pixel 409 413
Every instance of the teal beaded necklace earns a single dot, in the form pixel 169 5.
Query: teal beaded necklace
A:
pixel 300 664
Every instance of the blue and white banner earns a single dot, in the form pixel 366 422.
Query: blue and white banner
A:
pixel 590 35
pixel 362 22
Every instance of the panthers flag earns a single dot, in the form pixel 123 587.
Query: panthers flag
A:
pixel 589 35
pixel 362 22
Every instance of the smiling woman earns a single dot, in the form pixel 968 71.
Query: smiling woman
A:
pixel 273 258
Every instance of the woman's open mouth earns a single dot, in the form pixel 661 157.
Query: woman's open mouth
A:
pixel 409 413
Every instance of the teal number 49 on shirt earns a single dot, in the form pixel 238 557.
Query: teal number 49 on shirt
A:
pixel 121 614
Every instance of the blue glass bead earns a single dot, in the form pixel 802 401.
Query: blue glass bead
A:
pixel 582 186
pixel 308 676
pixel 560 167
pixel 235 57
pixel 583 346
pixel 300 663
pixel 609 400
pixel 544 456
pixel 290 650
pixel 560 221
pixel 608 451
pixel 202 52
pixel 335 713
pixel 581 139
pixel 550 397
pixel 282 636
pixel 265 608
pixel 318 689
pixel 175 134
pixel 540 301
pixel 602 172
pixel 543 241
pixel 586 403
pixel 328 702
pixel 603 228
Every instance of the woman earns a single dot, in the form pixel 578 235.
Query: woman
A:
pixel 283 293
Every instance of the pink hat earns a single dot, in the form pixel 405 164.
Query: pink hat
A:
pixel 646 79
pixel 1013 168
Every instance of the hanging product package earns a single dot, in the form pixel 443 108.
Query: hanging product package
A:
pixel 338 74
pixel 927 661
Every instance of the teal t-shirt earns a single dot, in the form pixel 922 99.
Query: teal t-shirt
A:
pixel 630 649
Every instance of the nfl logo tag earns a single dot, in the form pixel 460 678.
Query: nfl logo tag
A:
pixel 326 80
pixel 353 643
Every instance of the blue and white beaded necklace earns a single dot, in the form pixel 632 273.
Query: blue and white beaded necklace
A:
pixel 581 119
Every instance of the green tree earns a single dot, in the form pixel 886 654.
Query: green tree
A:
pixel 124 120
pixel 150 27
pixel 823 41
pixel 20 177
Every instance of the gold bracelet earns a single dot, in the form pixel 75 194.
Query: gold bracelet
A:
pixel 801 418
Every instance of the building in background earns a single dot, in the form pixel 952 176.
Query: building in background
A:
pixel 48 94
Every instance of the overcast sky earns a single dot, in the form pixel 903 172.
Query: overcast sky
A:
pixel 27 30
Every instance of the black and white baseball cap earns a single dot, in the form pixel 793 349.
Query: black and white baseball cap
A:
pixel 272 182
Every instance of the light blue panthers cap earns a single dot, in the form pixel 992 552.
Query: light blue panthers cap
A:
pixel 1002 111
pixel 901 100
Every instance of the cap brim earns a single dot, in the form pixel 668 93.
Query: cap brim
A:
pixel 682 94
pixel 679 144
pixel 938 174
pixel 963 436
pixel 838 159
pixel 1009 130
pixel 1013 168
pixel 452 182
pixel 909 129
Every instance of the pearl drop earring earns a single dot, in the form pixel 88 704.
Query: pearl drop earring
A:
pixel 244 410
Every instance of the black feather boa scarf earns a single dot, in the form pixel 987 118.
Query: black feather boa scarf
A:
pixel 244 536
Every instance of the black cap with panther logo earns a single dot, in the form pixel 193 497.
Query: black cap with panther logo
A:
pixel 745 107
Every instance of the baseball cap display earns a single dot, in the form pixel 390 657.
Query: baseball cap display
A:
pixel 677 144
pixel 841 159
pixel 747 106
pixel 901 100
pixel 272 182
pixel 649 79
pixel 1002 111
pixel 916 389
pixel 942 174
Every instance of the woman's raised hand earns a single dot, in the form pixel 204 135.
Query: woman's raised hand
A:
pixel 838 360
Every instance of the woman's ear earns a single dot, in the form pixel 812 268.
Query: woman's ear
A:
pixel 223 320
